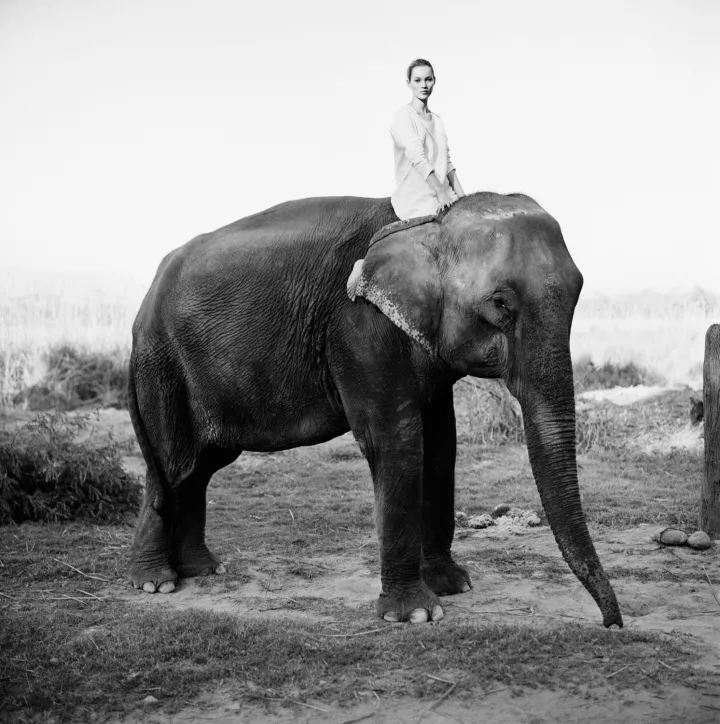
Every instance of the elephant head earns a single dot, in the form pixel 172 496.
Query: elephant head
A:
pixel 489 288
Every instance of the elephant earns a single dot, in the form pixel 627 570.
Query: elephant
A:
pixel 326 315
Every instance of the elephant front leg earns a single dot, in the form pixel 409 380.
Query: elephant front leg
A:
pixel 396 465
pixel 380 399
pixel 440 571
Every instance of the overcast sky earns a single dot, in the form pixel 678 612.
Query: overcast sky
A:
pixel 126 128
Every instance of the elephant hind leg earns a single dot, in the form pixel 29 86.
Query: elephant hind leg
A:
pixel 150 567
pixel 170 535
pixel 189 554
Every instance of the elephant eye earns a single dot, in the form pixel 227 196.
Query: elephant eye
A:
pixel 500 304
pixel 503 309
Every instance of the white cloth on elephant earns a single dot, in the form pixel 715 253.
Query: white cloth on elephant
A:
pixel 353 279
pixel 420 147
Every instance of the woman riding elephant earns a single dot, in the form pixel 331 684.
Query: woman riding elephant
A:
pixel 426 179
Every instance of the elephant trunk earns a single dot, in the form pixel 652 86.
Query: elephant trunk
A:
pixel 547 400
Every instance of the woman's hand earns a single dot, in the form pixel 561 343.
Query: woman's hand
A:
pixel 445 198
pixel 445 195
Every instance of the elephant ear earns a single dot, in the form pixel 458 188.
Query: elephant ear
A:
pixel 401 277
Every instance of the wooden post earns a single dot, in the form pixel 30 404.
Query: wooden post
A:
pixel 710 500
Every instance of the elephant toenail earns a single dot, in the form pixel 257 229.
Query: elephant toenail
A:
pixel 419 615
pixel 149 587
pixel 437 613
pixel 465 587
pixel 391 616
pixel 167 587
pixel 221 569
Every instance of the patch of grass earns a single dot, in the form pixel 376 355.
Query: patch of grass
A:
pixel 298 500
pixel 522 563
pixel 109 658
pixel 622 490
pixel 619 489
pixel 46 476
pixel 33 553
pixel 647 575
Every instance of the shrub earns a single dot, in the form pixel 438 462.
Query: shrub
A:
pixel 46 476
pixel 589 376
pixel 595 428
pixel 72 378
pixel 487 413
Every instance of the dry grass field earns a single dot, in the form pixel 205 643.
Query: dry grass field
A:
pixel 662 334
pixel 289 632
pixel 39 318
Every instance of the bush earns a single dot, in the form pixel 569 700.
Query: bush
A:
pixel 73 378
pixel 595 428
pixel 46 476
pixel 589 376
pixel 487 413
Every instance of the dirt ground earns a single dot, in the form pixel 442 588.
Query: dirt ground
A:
pixel 499 707
pixel 672 591
pixel 687 606
pixel 683 607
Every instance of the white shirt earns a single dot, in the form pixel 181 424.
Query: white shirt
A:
pixel 420 147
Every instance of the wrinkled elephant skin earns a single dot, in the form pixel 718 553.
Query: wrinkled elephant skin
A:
pixel 270 333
